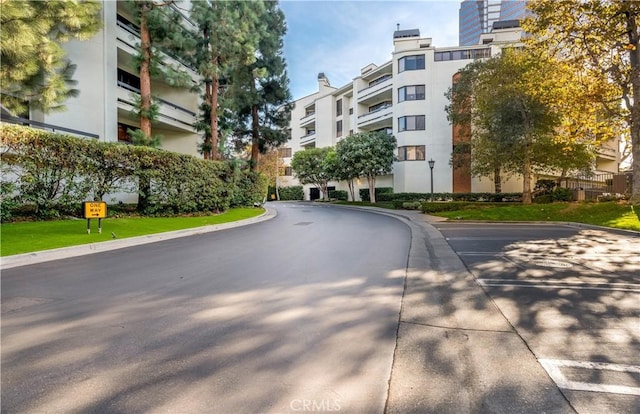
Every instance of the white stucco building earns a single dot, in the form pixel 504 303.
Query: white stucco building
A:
pixel 108 82
pixel 406 97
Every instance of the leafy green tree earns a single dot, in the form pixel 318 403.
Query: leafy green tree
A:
pixel 34 72
pixel 348 168
pixel 225 38
pixel 371 154
pixel 260 91
pixel 314 166
pixel 600 39
pixel 521 109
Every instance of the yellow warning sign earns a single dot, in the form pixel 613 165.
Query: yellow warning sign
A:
pixel 95 209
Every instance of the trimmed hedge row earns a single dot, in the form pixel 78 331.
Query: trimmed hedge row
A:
pixel 481 197
pixel 364 193
pixel 55 172
pixel 428 207
pixel 294 192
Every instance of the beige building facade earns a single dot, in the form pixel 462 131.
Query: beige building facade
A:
pixel 108 82
pixel 406 97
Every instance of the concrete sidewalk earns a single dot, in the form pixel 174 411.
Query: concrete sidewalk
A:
pixel 17 260
pixel 456 352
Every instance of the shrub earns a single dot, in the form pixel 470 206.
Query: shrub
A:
pixel 364 193
pixel 543 199
pixel 294 192
pixel 8 201
pixel 483 197
pixel 428 207
pixel 562 194
pixel 52 174
pixel 411 205
pixel 339 195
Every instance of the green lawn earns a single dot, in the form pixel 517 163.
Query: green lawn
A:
pixel 25 237
pixel 609 214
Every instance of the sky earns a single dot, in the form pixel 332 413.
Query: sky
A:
pixel 341 37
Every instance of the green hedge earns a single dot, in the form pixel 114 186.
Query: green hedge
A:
pixel 364 193
pixel 429 207
pixel 339 195
pixel 294 192
pixel 490 197
pixel 55 173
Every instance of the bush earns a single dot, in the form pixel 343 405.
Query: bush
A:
pixel 411 205
pixel 562 194
pixel 543 199
pixel 55 173
pixel 484 197
pixel 339 195
pixel 364 193
pixel 8 201
pixel 428 207
pixel 294 192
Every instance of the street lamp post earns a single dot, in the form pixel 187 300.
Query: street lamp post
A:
pixel 431 164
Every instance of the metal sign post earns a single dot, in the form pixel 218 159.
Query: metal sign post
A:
pixel 95 209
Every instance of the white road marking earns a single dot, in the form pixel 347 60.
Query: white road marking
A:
pixel 554 366
pixel 554 284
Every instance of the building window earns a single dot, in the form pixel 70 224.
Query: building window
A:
pixel 339 128
pixel 462 54
pixel 123 133
pixel 388 131
pixel 339 107
pixel 284 152
pixel 309 131
pixel 128 80
pixel 411 123
pixel 411 153
pixel 411 93
pixel 285 171
pixel 350 111
pixel 414 62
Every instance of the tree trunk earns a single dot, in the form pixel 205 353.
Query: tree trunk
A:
pixel 634 60
pixel 372 189
pixel 255 138
pixel 526 178
pixel 145 76
pixel 206 152
pixel 497 181
pixel 215 89
pixel 351 186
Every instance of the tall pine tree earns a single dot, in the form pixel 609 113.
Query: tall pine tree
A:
pixel 260 91
pixel 34 72
pixel 225 39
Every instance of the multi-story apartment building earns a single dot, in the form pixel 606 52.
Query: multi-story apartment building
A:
pixel 405 97
pixel 108 82
pixel 478 16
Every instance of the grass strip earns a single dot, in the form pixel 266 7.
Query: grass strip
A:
pixel 26 237
pixel 607 214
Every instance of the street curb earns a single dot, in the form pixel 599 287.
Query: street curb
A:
pixel 24 259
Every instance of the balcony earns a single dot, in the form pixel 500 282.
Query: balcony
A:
pixel 308 139
pixel 170 114
pixel 378 91
pixel 380 118
pixel 308 120
pixel 606 152
pixel 129 39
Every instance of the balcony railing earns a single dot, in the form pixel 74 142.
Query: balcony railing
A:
pixel 45 126
pixel 374 84
pixel 170 104
pixel 381 108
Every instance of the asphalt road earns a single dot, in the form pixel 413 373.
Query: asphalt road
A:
pixel 573 294
pixel 299 313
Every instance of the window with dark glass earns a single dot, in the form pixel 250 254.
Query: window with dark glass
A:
pixel 411 153
pixel 414 62
pixel 339 128
pixel 411 93
pixel 411 123
pixel 339 107
pixel 379 106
